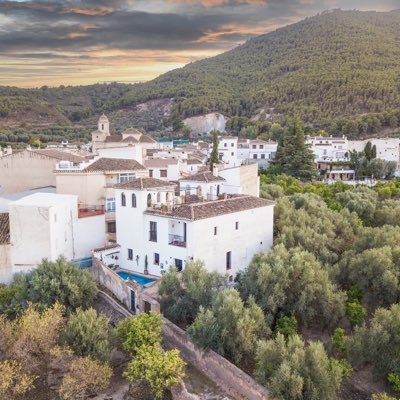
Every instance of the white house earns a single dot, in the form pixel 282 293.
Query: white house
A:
pixel 387 149
pixel 156 230
pixel 163 168
pixel 329 148
pixel 48 225
pixel 257 151
pixel 228 151
pixel 205 185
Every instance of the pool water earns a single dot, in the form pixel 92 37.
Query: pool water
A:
pixel 141 280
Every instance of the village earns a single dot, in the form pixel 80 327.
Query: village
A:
pixel 139 206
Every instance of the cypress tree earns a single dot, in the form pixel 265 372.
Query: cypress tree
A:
pixel 214 154
pixel 294 156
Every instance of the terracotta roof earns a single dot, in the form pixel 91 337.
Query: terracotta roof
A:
pixel 4 228
pixel 59 155
pixel 132 131
pixel 191 161
pixel 210 209
pixel 114 164
pixel 159 162
pixel 146 139
pixel 144 183
pixel 113 138
pixel 129 139
pixel 205 176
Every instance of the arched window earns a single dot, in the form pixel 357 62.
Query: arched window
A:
pixel 158 197
pixel 123 200
pixel 218 189
pixel 134 200
pixel 149 200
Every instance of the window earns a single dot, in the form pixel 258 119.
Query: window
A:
pixel 261 146
pixel 228 260
pixel 237 225
pixel 110 205
pixel 255 156
pixel 225 144
pixel 156 258
pixel 153 231
pixel 218 190
pixel 149 200
pixel 158 197
pixel 126 177
pixel 111 227
pixel 163 173
pixel 150 173
pixel 232 144
pixel 102 127
pixel 254 146
pixel 215 231
pixel 263 156
pixel 178 264
pixel 232 153
pixel 130 254
pixel 123 200
pixel 133 200
pixel 220 156
pixel 230 279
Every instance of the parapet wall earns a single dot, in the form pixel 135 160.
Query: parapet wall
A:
pixel 226 375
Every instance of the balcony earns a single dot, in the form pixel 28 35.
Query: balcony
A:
pixel 175 240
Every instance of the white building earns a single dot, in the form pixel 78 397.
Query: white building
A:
pixel 156 232
pixel 329 148
pixel 387 149
pixel 47 225
pixel 205 185
pixel 228 151
pixel 163 168
pixel 257 151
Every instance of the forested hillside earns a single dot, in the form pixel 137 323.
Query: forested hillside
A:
pixel 338 71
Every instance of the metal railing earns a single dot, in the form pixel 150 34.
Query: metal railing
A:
pixel 176 240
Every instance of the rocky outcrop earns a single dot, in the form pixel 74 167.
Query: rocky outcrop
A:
pixel 203 124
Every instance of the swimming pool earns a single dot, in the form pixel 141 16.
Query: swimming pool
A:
pixel 141 280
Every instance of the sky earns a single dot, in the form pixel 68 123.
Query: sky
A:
pixel 76 42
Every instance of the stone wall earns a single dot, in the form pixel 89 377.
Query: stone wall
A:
pixel 232 379
pixel 112 281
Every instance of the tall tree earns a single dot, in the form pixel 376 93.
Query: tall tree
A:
pixel 294 155
pixel 214 154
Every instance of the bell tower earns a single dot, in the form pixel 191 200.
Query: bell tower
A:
pixel 104 125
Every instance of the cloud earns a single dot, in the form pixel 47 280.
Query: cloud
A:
pixel 75 41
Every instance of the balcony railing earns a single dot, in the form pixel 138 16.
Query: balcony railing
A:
pixel 176 240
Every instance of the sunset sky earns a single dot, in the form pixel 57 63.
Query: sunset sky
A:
pixel 81 42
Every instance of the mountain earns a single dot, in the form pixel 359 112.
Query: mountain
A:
pixel 339 70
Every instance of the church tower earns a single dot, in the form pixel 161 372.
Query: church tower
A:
pixel 104 125
pixel 99 136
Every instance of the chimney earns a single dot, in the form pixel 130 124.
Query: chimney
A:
pixel 215 170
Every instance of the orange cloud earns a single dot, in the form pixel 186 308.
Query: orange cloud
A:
pixel 96 11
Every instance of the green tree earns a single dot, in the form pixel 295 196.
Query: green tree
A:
pixel 287 326
pixel 141 330
pixel 214 153
pixel 182 297
pixel 338 340
pixel 292 281
pixel 89 334
pixel 61 282
pixel 292 370
pixel 294 155
pixel 355 313
pixel 230 327
pixel 378 344
pixel 160 370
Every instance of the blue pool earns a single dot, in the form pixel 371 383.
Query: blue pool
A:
pixel 141 280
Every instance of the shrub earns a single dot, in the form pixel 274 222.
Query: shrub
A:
pixel 287 326
pixel 89 334
pixel 355 313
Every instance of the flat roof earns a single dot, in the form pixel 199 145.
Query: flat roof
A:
pixel 45 199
